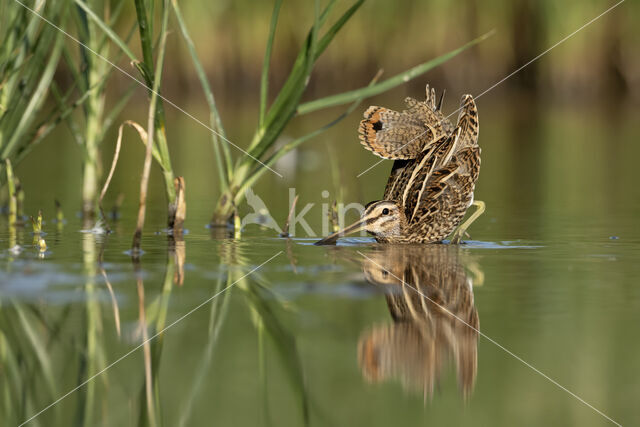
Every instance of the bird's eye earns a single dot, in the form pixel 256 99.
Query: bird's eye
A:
pixel 385 211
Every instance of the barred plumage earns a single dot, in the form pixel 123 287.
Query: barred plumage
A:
pixel 404 135
pixel 433 178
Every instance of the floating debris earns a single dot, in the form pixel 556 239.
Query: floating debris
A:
pixel 16 250
pixel 42 245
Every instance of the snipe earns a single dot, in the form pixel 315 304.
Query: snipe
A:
pixel 433 177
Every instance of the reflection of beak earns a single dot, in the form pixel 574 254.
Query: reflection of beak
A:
pixel 331 240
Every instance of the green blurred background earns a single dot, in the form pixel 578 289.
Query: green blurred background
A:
pixel 230 37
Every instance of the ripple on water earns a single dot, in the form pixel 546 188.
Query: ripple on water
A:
pixel 472 244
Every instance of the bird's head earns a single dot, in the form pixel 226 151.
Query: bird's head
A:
pixel 384 219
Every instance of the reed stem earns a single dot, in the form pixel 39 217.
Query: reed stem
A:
pixel 94 73
pixel 146 67
pixel 13 201
pixel 151 126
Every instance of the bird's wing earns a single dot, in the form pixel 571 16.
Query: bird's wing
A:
pixel 404 135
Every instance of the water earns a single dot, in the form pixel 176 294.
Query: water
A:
pixel 329 335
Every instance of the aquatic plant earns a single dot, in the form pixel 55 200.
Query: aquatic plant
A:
pixel 37 223
pixel 13 200
pixel 90 75
pixel 32 102
pixel 156 138
pixel 156 119
pixel 29 54
pixel 152 77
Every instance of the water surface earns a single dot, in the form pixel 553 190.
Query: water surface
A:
pixel 358 334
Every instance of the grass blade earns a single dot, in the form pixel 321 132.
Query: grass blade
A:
pixel 328 37
pixel 214 115
pixel 293 87
pixel 146 68
pixel 264 78
pixel 36 100
pixel 144 182
pixel 107 30
pixel 145 41
pixel 257 173
pixel 398 79
pixel 285 105
pixel 13 202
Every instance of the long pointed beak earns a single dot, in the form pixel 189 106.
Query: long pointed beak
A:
pixel 331 240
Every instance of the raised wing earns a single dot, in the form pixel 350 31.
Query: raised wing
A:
pixel 404 135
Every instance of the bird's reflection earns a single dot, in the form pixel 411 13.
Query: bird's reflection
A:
pixel 435 323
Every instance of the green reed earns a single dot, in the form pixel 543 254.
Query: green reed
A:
pixel 29 54
pixel 32 103
pixel 90 75
pixel 220 147
pixel 148 69
pixel 13 200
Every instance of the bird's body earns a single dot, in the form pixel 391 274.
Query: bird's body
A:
pixel 436 187
pixel 433 177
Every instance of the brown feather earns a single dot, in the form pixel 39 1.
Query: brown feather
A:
pixel 436 187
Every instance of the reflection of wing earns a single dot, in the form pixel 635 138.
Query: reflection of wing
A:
pixel 424 286
pixel 404 135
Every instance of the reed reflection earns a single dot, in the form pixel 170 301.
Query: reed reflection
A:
pixel 430 298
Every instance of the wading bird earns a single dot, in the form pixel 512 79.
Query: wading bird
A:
pixel 433 177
